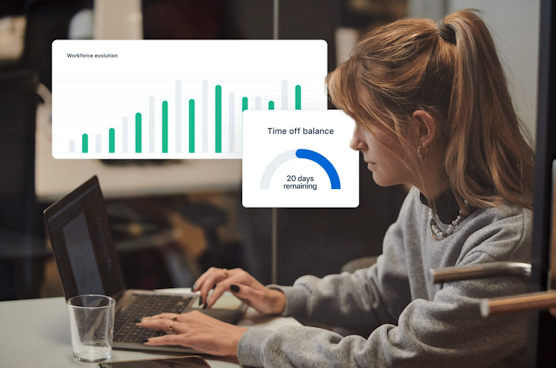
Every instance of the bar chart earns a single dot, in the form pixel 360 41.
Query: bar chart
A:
pixel 175 99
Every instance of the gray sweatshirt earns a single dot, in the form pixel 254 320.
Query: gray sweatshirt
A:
pixel 398 316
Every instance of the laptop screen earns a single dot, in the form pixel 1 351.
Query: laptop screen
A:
pixel 82 244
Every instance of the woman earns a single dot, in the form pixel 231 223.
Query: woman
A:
pixel 432 110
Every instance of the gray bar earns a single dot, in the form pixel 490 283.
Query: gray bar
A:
pixel 519 303
pixel 72 146
pixel 178 116
pixel 124 135
pixel 284 95
pixel 480 271
pixel 151 124
pixel 205 116
pixel 98 143
pixel 258 103
pixel 231 101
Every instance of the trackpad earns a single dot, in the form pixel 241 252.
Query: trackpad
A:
pixel 223 315
pixel 227 301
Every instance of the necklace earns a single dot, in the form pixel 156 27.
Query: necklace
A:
pixel 438 234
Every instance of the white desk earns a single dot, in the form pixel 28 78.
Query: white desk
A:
pixel 56 178
pixel 36 334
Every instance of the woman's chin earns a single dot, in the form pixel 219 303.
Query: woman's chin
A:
pixel 379 183
pixel 379 180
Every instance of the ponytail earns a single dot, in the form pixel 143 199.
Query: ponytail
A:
pixel 486 156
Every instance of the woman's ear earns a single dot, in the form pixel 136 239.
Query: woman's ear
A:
pixel 424 127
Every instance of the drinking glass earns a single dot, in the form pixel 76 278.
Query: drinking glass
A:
pixel 92 327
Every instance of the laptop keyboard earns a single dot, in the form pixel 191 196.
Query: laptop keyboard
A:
pixel 145 305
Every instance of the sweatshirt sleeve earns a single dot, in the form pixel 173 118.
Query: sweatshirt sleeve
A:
pixel 445 332
pixel 359 301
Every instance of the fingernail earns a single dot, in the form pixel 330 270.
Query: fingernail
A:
pixel 144 341
pixel 205 306
pixel 234 288
pixel 214 287
pixel 200 300
pixel 137 320
pixel 194 287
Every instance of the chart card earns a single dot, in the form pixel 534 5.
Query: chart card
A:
pixel 299 159
pixel 161 99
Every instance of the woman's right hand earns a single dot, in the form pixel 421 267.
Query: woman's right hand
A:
pixel 243 286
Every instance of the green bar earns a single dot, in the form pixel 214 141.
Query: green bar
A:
pixel 85 143
pixel 218 122
pixel 271 105
pixel 138 143
pixel 164 126
pixel 191 126
pixel 244 103
pixel 298 97
pixel 112 145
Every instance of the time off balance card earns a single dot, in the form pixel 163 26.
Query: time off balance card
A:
pixel 299 159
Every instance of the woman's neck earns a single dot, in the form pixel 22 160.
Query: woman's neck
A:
pixel 433 189
pixel 431 182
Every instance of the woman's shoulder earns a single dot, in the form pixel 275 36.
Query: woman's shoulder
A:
pixel 503 232
pixel 504 215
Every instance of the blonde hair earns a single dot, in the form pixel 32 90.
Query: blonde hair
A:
pixel 450 70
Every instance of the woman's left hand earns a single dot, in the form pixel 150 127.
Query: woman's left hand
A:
pixel 195 330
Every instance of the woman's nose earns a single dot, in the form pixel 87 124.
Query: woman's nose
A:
pixel 356 142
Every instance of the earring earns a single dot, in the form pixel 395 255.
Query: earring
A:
pixel 422 152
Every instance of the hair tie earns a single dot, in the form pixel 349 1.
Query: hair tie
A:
pixel 446 31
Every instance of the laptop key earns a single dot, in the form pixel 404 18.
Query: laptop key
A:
pixel 145 335
pixel 119 337
pixel 136 330
pixel 146 332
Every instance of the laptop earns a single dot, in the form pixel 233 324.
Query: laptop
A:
pixel 88 263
